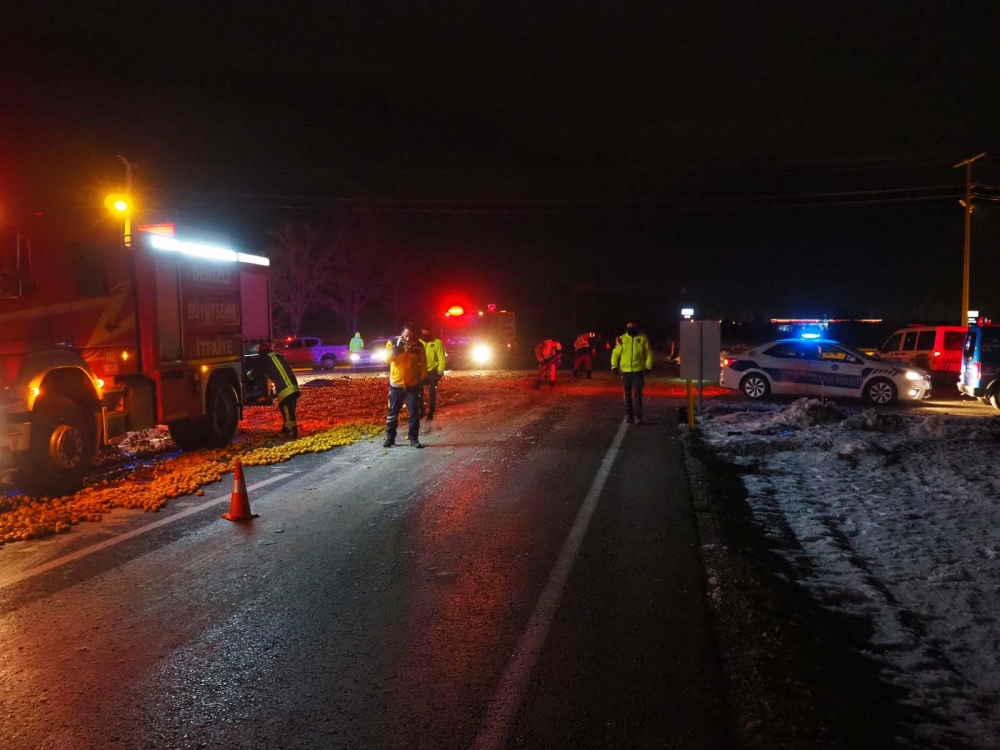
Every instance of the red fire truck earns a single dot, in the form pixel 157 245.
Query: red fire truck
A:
pixel 484 338
pixel 99 338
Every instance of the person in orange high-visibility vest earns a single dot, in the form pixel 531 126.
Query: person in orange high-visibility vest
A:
pixel 585 349
pixel 279 372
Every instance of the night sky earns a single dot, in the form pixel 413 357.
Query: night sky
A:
pixel 640 153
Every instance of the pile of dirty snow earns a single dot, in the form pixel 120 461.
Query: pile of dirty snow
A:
pixel 898 518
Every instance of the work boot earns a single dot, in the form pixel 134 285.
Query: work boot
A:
pixel 638 420
pixel 537 385
pixel 552 384
pixel 430 416
pixel 414 443
pixel 630 419
pixel 389 442
pixel 576 373
pixel 589 373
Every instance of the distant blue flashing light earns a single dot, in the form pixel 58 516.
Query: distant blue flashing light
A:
pixel 810 335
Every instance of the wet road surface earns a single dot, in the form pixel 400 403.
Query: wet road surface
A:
pixel 530 579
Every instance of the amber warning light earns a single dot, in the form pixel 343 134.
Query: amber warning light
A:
pixel 456 310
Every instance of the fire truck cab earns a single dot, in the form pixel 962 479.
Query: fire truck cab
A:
pixel 480 339
pixel 99 338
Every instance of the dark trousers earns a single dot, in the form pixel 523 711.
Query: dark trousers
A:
pixel 632 383
pixel 397 397
pixel 287 407
pixel 583 362
pixel 432 380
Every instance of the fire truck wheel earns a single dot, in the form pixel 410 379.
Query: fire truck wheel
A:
pixel 222 415
pixel 62 446
pixel 185 433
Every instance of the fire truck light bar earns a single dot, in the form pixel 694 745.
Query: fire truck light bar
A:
pixel 211 252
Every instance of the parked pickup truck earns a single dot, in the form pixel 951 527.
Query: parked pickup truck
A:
pixel 306 351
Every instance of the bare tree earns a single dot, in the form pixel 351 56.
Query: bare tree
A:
pixel 361 267
pixel 301 274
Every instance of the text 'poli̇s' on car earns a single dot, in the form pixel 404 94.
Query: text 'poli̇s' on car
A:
pixel 821 367
pixel 372 355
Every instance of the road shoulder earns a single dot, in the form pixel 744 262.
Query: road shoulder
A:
pixel 795 672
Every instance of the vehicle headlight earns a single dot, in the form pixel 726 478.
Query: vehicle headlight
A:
pixel 355 357
pixel 379 356
pixel 481 354
pixel 914 375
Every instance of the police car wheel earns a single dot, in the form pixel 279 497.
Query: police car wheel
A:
pixel 880 392
pixel 755 386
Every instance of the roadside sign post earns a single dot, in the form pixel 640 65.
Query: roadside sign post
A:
pixel 701 345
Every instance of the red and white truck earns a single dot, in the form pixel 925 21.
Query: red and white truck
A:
pixel 98 339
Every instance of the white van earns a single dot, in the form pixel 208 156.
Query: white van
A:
pixel 936 349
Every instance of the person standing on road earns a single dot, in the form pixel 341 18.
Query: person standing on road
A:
pixel 356 345
pixel 407 370
pixel 633 357
pixel 434 351
pixel 279 372
pixel 548 354
pixel 585 350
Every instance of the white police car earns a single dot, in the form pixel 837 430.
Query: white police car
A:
pixel 820 367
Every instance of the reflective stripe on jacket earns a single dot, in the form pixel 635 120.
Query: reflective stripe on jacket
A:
pixel 408 367
pixel 434 350
pixel 632 353
pixel 583 341
pixel 280 373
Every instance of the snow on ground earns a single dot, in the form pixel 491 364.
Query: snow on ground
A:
pixel 898 518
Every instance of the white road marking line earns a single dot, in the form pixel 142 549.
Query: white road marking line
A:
pixel 507 699
pixel 129 534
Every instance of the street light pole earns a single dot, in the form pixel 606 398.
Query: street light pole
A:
pixel 967 203
pixel 128 191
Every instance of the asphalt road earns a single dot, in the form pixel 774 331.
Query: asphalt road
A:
pixel 531 579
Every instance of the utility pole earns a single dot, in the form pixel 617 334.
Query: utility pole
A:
pixel 967 204
pixel 129 166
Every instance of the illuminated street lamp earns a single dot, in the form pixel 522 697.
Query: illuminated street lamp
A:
pixel 120 204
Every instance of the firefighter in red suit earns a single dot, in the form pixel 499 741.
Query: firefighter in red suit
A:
pixel 548 354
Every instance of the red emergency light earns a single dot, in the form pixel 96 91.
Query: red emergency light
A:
pixel 456 311
pixel 491 308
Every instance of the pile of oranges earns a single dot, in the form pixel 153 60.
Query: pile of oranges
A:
pixel 331 413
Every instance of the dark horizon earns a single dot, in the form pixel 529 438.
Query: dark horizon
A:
pixel 781 161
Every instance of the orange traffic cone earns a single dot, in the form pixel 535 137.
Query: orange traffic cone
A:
pixel 239 504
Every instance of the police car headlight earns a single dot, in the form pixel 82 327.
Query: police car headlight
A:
pixel 355 357
pixel 379 356
pixel 914 375
pixel 481 354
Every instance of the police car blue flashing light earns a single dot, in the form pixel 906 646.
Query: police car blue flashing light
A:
pixel 811 365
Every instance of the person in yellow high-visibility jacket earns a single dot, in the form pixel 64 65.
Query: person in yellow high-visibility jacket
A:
pixel 279 372
pixel 633 358
pixel 434 350
pixel 407 370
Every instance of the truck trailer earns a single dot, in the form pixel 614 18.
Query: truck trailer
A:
pixel 102 335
